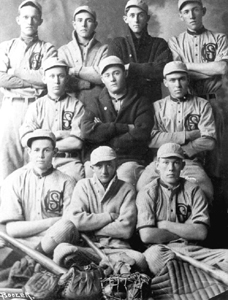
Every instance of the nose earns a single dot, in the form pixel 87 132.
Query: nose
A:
pixel 56 79
pixel 171 166
pixel 191 13
pixel 178 83
pixel 104 169
pixel 84 23
pixel 41 154
pixel 112 78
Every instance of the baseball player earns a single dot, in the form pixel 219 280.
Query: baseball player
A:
pixel 83 54
pixel 184 119
pixel 174 212
pixel 104 208
pixel 144 56
pixel 119 118
pixel 61 113
pixel 205 54
pixel 34 197
pixel 21 62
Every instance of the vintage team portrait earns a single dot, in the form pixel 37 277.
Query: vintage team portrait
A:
pixel 114 142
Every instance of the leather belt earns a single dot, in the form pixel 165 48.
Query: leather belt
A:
pixel 67 154
pixel 208 96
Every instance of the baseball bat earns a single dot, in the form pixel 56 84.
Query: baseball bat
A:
pixel 214 272
pixel 95 248
pixel 43 260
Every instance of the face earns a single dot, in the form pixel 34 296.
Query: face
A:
pixel 29 20
pixel 41 154
pixel 169 169
pixel 55 79
pixel 114 79
pixel 105 170
pixel 84 25
pixel 192 14
pixel 177 83
pixel 136 19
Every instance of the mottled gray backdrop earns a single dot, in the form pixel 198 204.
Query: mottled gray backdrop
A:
pixel 165 22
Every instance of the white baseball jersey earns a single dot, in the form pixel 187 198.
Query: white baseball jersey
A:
pixel 27 196
pixel 207 46
pixel 46 113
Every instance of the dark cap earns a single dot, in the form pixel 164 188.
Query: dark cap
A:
pixel 41 134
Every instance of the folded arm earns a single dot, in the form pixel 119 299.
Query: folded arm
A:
pixel 23 229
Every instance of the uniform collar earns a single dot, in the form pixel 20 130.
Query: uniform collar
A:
pixel 183 99
pixel 173 189
pixel 29 40
pixel 197 32
pixel 44 174
pixel 58 99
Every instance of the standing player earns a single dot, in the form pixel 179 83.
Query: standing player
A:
pixel 34 196
pixel 61 113
pixel 21 61
pixel 144 56
pixel 205 54
pixel 83 55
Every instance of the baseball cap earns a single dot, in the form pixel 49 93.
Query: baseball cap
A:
pixel 52 62
pixel 182 2
pixel 102 153
pixel 174 67
pixel 137 3
pixel 109 61
pixel 85 8
pixel 41 133
pixel 33 3
pixel 170 150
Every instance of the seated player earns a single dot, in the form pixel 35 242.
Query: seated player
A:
pixel 173 212
pixel 186 120
pixel 34 197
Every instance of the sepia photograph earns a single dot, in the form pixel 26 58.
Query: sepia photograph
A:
pixel 114 149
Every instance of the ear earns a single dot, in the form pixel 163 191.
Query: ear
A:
pixel 165 82
pixel 181 16
pixel 125 19
pixel 41 21
pixel 56 151
pixel 102 79
pixel 204 11
pixel 95 25
pixel 183 165
pixel 29 151
pixel 148 18
pixel 18 20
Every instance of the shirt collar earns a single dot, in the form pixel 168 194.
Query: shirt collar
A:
pixel 173 189
pixel 58 99
pixel 120 98
pixel 29 40
pixel 46 173
pixel 185 98
pixel 197 32
pixel 97 181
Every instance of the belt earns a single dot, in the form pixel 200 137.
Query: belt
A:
pixel 24 99
pixel 67 154
pixel 208 96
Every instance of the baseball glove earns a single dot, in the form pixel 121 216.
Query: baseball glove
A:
pixel 43 285
pixel 133 286
pixel 78 284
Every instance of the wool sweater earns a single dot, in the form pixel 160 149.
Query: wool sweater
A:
pixel 113 130
pixel 147 57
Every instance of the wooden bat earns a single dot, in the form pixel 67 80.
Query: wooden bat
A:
pixel 43 260
pixel 214 272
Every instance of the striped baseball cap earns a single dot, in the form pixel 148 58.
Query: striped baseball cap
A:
pixel 32 3
pixel 181 3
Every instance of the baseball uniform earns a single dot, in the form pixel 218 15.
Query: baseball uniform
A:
pixel 185 204
pixel 171 121
pixel 28 196
pixel 64 113
pixel 21 83
pixel 88 58
pixel 202 47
